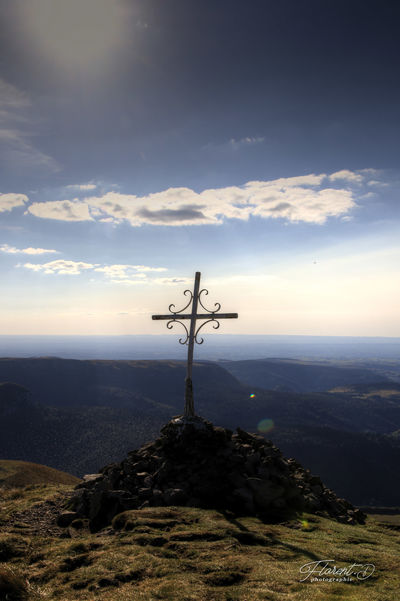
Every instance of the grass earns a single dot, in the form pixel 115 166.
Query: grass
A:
pixel 19 499
pixel 14 474
pixel 188 554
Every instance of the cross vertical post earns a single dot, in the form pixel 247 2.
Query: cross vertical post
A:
pixel 189 403
pixel 192 333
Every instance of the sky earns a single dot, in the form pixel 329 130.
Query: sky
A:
pixel 144 140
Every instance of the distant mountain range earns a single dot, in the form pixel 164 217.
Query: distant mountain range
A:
pixel 227 346
pixel 79 415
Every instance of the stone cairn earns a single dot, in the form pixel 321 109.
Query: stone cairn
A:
pixel 194 463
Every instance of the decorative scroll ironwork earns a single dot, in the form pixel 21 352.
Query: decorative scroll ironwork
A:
pixel 170 325
pixel 177 316
pixel 215 327
pixel 185 307
pixel 217 305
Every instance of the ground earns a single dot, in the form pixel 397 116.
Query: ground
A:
pixel 24 473
pixel 186 554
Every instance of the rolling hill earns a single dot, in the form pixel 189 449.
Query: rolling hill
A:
pixel 16 474
pixel 291 375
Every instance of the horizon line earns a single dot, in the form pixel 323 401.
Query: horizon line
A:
pixel 217 336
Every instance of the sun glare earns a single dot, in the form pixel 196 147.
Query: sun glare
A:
pixel 74 36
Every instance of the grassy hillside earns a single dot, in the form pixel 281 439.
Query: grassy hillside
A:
pixel 187 554
pixel 15 474
pixel 363 467
pixel 147 385
pixel 292 375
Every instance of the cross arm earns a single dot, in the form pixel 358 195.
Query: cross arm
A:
pixel 198 316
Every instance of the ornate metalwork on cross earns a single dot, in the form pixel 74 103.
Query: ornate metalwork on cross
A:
pixel 192 334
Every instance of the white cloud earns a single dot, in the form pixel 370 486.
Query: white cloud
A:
pixel 375 182
pixel 11 201
pixel 115 271
pixel 346 175
pixel 247 141
pixel 173 281
pixel 294 199
pixel 371 171
pixel 63 210
pixel 60 267
pixel 11 250
pixel 82 186
pixel 234 144
pixel 117 274
pixel 147 268
pixel 311 208
pixel 128 274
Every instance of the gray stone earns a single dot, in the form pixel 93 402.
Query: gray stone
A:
pixel 148 481
pixel 245 497
pixel 316 489
pixel 279 503
pixel 312 502
pixel 174 496
pixel 237 479
pixel 144 493
pixel 90 480
pixel 264 492
pixel 263 472
pixel 65 518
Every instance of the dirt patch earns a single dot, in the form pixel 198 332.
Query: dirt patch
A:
pixel 41 518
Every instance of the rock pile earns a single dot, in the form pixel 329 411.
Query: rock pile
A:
pixel 194 463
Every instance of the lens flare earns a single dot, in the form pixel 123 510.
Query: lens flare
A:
pixel 252 396
pixel 265 425
pixel 305 525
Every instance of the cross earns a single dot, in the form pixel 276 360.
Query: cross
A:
pixel 192 334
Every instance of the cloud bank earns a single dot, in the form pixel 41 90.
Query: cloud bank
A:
pixel 117 274
pixel 308 198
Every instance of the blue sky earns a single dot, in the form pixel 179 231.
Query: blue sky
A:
pixel 141 141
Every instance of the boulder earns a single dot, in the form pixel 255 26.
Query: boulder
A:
pixel 264 492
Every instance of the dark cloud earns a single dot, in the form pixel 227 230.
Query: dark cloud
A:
pixel 281 207
pixel 167 215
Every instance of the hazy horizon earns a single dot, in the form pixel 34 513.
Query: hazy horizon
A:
pixel 215 347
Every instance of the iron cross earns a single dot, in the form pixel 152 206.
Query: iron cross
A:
pixel 192 334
